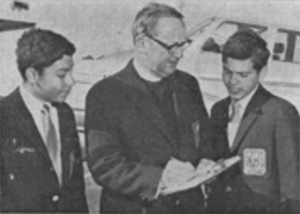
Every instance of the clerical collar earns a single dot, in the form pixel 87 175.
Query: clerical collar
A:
pixel 145 74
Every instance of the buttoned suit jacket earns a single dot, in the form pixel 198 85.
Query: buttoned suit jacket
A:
pixel 129 142
pixel 269 125
pixel 28 180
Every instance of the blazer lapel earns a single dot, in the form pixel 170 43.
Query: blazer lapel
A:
pixel 223 114
pixel 253 110
pixel 27 126
pixel 221 117
pixel 64 139
pixel 139 94
pixel 243 128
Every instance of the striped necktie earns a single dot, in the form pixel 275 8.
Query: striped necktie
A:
pixel 236 112
pixel 51 140
pixel 234 122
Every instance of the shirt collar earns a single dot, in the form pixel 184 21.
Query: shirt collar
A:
pixel 33 104
pixel 244 102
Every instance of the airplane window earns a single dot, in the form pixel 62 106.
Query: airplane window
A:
pixel 218 38
pixel 211 46
pixel 281 40
pixel 297 50
pixel 291 42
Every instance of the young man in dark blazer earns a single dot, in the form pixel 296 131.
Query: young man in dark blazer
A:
pixel 41 166
pixel 144 116
pixel 261 128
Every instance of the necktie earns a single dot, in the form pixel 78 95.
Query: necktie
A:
pixel 236 113
pixel 234 121
pixel 51 140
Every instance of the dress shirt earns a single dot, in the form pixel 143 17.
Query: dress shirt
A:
pixel 233 126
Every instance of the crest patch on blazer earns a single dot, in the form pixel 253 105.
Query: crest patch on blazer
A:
pixel 254 161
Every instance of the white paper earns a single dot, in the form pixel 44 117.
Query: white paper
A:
pixel 204 174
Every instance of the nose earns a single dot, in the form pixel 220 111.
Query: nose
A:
pixel 178 53
pixel 69 79
pixel 233 79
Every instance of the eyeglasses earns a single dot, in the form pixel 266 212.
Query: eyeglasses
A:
pixel 173 47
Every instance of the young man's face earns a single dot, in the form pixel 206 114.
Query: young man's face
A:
pixel 239 77
pixel 169 31
pixel 55 82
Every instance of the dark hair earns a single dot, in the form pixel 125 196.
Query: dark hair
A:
pixel 38 48
pixel 245 44
pixel 146 19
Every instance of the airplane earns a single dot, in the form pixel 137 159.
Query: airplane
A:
pixel 203 60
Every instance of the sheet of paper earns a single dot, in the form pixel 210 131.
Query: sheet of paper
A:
pixel 177 172
pixel 202 176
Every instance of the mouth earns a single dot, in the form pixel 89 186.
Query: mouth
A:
pixel 66 93
pixel 173 64
pixel 233 90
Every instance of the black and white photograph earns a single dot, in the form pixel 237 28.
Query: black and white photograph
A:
pixel 150 106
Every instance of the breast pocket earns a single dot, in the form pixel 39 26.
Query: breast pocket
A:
pixel 19 155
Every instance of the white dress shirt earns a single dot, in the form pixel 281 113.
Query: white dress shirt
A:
pixel 233 126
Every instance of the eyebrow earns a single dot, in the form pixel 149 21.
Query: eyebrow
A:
pixel 227 69
pixel 224 67
pixel 65 69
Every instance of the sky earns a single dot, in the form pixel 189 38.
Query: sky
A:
pixel 102 27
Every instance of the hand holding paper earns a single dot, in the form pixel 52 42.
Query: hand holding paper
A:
pixel 179 176
pixel 177 172
pixel 206 166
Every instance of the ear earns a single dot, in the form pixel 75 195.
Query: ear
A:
pixel 263 73
pixel 32 75
pixel 142 44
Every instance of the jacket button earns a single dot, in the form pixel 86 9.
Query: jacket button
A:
pixel 11 176
pixel 228 189
pixel 208 190
pixel 177 202
pixel 55 198
pixel 14 141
